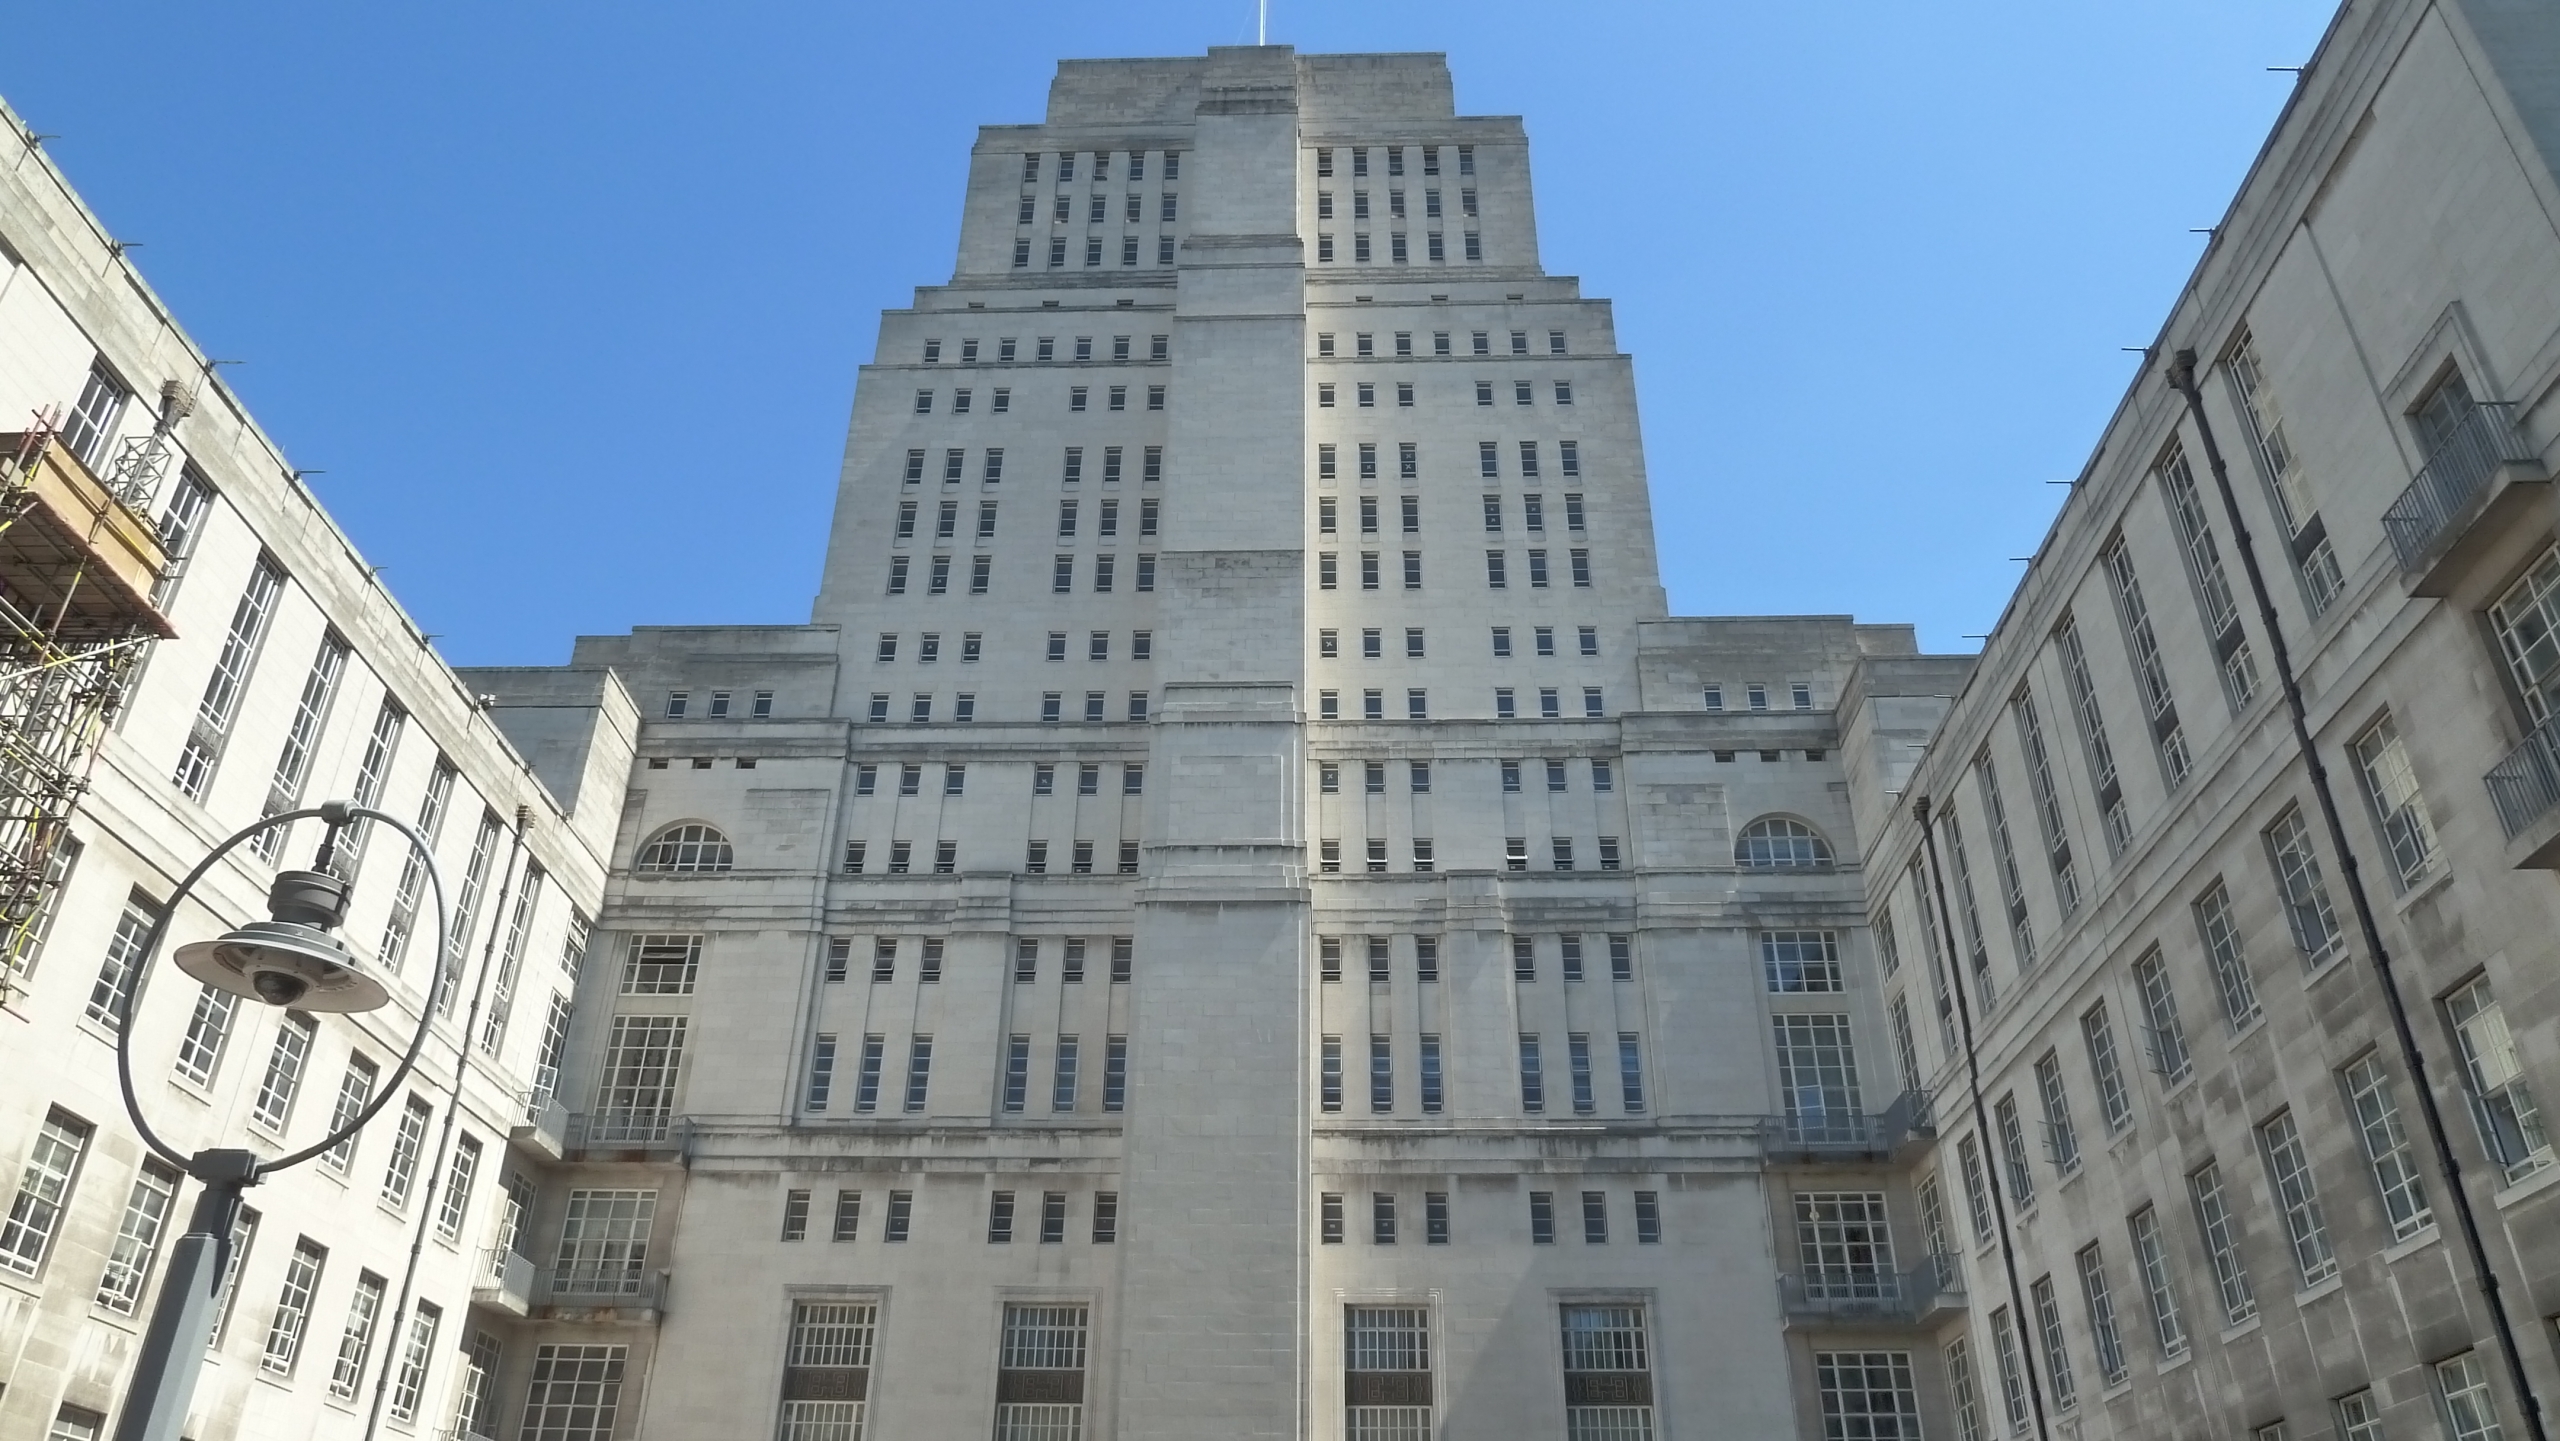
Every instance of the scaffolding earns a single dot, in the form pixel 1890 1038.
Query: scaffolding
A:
pixel 79 560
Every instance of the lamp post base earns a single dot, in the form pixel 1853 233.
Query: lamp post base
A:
pixel 181 1330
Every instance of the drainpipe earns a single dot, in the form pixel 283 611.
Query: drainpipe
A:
pixel 1954 979
pixel 2181 374
pixel 394 1341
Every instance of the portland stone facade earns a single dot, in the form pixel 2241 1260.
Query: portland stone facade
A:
pixel 1242 914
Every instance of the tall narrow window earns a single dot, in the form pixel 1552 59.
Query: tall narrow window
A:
pixel 2230 964
pixel 417 1353
pixel 2399 809
pixel 1978 954
pixel 460 1172
pixel 2098 1034
pixel 2239 670
pixel 2470 1408
pixel 293 1307
pixel 2386 1147
pixel 2149 670
pixel 2163 1035
pixel 2150 1250
pixel 2306 896
pixel 301 741
pixel 220 704
pixel 355 1343
pixel 2501 1103
pixel 2061 1140
pixel 120 968
pixel 2004 858
pixel 283 1080
pixel 2313 556
pixel 2093 734
pixel 413 868
pixel 408 1143
pixel 2289 1168
pixel 2099 1301
pixel 137 1243
pixel 200 1051
pixel 2050 824
pixel 2221 1235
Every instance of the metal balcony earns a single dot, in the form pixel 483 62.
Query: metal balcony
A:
pixel 606 1295
pixel 2469 493
pixel 1872 1298
pixel 627 1136
pixel 504 1283
pixel 544 1132
pixel 1820 1135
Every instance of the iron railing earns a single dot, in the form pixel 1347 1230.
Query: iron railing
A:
pixel 619 1287
pixel 627 1130
pixel 1822 1134
pixel 505 1280
pixel 1870 1296
pixel 2525 787
pixel 2453 478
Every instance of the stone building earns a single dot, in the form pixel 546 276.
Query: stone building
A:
pixel 1241 914
pixel 292 676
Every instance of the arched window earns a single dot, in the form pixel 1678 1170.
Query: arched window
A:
pixel 1774 842
pixel 692 846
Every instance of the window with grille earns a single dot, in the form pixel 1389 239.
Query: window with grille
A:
pixel 2306 897
pixel 293 1307
pixel 1777 842
pixel 2314 558
pixel 355 1343
pixel 119 968
pixel 604 1243
pixel 574 1394
pixel 2398 807
pixel 2239 670
pixel 220 704
pixel 283 1080
pixel 2100 1303
pixel 2387 1151
pixel 684 849
pixel 301 741
pixel 1386 1373
pixel 2050 824
pixel 635 1089
pixel 1844 1246
pixel 826 1377
pixel 1040 1373
pixel 1608 1374
pixel 137 1243
pixel 2092 725
pixel 2151 1253
pixel 1817 1075
pixel 1797 962
pixel 661 965
pixel 2289 1169
pixel 2502 1104
pixel 1867 1396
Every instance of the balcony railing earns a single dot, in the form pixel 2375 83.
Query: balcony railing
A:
pixel 1872 1297
pixel 505 1282
pixel 614 1288
pixel 2525 787
pixel 635 1131
pixel 2440 500
pixel 1820 1135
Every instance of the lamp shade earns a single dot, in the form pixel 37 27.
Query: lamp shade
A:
pixel 291 960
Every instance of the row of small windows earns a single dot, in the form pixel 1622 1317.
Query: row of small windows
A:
pixel 901 858
pixel 719 705
pixel 845 1224
pixel 1755 695
pixel 1364 344
pixel 1000 402
pixel 1395 205
pixel 964 707
pixel 1488 463
pixel 1395 158
pixel 1497 569
pixel 1099 170
pixel 1045 349
pixel 1044 778
pixel 1373 642
pixel 1027 950
pixel 1506 703
pixel 1603 775
pixel 1365 393
pixel 1425 855
pixel 1104 574
pixel 1130 249
pixel 1071 512
pixel 1379 954
pixel 1435 248
pixel 1098 210
pixel 955 462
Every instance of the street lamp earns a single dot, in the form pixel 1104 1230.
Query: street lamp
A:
pixel 291 959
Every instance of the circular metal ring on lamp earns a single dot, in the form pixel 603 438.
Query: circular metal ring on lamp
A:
pixel 284 948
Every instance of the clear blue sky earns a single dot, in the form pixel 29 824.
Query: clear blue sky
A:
pixel 566 300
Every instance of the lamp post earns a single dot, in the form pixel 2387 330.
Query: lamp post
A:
pixel 289 960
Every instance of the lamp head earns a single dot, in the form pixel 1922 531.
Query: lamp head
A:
pixel 291 960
